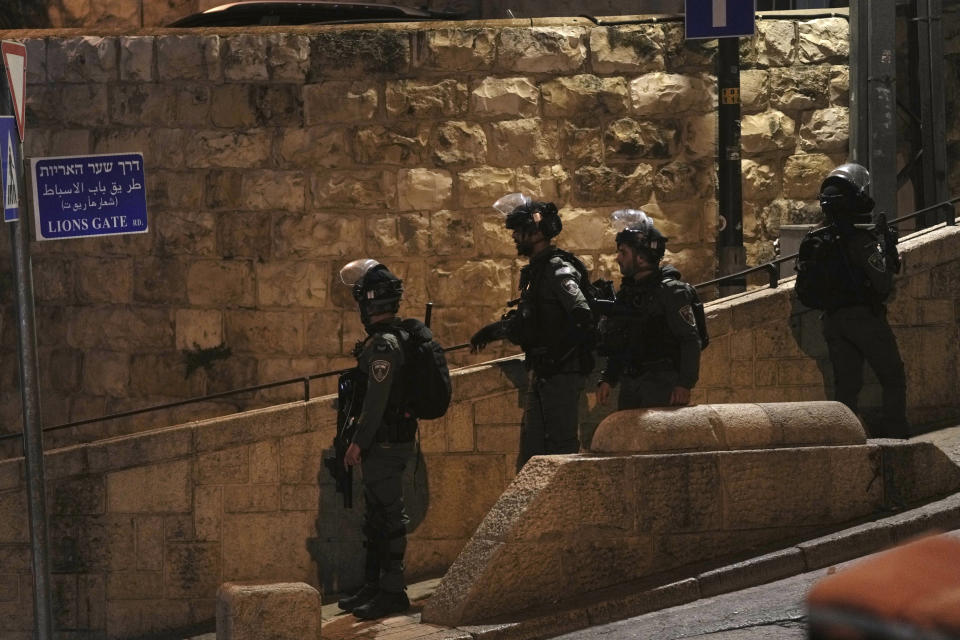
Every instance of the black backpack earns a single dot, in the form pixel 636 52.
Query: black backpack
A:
pixel 426 377
pixel 819 262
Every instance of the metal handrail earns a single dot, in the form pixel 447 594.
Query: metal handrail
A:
pixel 771 267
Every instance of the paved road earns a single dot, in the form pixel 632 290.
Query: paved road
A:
pixel 770 611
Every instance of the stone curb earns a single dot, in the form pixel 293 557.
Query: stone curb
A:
pixel 809 555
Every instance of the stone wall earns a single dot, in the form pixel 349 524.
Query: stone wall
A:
pixel 144 527
pixel 276 155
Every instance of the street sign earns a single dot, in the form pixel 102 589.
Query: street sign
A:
pixel 9 168
pixel 15 65
pixel 84 196
pixel 720 18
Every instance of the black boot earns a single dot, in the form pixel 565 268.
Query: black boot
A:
pixel 383 604
pixel 361 597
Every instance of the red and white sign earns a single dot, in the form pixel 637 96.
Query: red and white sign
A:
pixel 15 64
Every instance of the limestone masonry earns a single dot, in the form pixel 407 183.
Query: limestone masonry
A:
pixel 274 155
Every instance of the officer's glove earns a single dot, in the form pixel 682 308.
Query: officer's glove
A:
pixel 485 336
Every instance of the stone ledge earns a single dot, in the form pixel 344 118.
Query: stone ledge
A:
pixel 268 611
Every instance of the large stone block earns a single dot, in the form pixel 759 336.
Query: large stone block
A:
pixel 402 143
pixel 661 94
pixel 273 190
pixel 492 279
pixel 90 59
pixel 424 99
pixel 505 97
pixel 700 136
pixel 635 49
pixel 823 40
pixel 89 105
pixel 150 489
pixel 268 546
pixel 13 525
pixel 276 332
pixel 826 130
pixel 237 149
pixel 803 174
pixel 220 283
pixel 399 235
pixel 680 181
pixel 450 478
pixel 365 189
pixel 583 143
pixel 760 181
pixel 452 233
pixel 613 185
pixel 769 131
pixel 586 230
pixel 244 58
pixel 629 139
pixel 106 373
pixel 357 53
pixel 776 43
pixel 542 49
pixel 198 329
pixel 232 105
pixel 551 183
pixel 186 57
pixel 265 611
pixel 136 58
pixel 190 232
pixel 459 142
pixel 313 147
pixel 456 49
pixel 340 101
pixel 584 93
pixel 317 236
pixel 423 189
pixel 525 141
pixel 799 88
pixel 120 329
pixel 288 57
pixel 754 90
pixel 292 284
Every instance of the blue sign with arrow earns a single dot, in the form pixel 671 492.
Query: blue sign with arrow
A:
pixel 83 196
pixel 10 168
pixel 720 18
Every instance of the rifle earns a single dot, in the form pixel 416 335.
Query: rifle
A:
pixel 888 242
pixel 350 389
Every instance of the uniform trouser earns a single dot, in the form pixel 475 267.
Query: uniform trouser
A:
pixel 649 389
pixel 854 334
pixel 385 519
pixel 551 416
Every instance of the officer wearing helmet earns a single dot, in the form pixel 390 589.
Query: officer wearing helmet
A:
pixel 383 441
pixel 650 335
pixel 847 272
pixel 552 323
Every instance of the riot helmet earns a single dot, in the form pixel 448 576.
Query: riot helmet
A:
pixel 375 288
pixel 528 216
pixel 845 191
pixel 636 230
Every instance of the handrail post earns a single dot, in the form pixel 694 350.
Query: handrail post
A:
pixel 306 389
pixel 773 271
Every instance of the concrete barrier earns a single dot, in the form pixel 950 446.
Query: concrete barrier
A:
pixel 575 524
pixel 268 611
pixel 727 427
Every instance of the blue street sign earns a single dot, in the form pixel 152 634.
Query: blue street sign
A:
pixel 720 18
pixel 10 168
pixel 83 196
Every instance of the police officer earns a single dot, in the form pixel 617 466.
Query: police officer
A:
pixel 848 273
pixel 552 323
pixel 650 335
pixel 383 442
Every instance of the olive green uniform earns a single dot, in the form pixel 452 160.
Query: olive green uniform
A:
pixel 651 341
pixel 385 435
pixel 855 325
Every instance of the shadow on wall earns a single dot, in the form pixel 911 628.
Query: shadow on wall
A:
pixel 338 550
pixel 805 326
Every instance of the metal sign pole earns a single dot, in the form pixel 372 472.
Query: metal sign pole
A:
pixel 730 247
pixel 30 398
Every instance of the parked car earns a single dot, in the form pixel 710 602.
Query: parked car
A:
pixel 287 12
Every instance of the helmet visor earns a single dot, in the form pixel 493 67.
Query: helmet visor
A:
pixel 511 201
pixel 352 272
pixel 633 219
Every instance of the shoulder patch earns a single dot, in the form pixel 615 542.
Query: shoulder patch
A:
pixel 379 369
pixel 686 312
pixel 570 286
pixel 876 262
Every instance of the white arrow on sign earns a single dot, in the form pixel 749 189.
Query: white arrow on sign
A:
pixel 719 13
pixel 15 64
